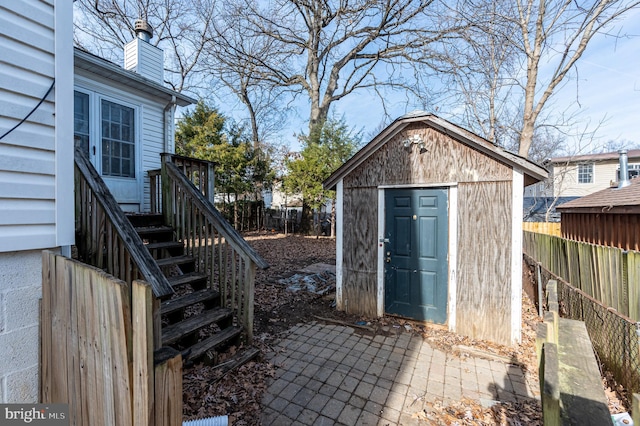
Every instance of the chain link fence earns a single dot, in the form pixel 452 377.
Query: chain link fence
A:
pixel 615 337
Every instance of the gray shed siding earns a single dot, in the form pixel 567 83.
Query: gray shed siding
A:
pixel 484 185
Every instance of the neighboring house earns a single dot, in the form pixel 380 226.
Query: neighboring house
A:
pixel 36 175
pixel 580 175
pixel 571 178
pixel 610 217
pixel 123 117
pixel 429 226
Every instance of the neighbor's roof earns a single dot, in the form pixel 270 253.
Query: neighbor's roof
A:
pixel 610 200
pixel 605 156
pixel 464 136
pixel 107 69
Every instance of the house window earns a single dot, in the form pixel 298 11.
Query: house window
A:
pixel 118 140
pixel 81 120
pixel 634 171
pixel 585 173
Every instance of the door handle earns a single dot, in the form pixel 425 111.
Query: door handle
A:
pixel 94 150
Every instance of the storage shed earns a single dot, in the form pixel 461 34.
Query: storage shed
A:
pixel 429 227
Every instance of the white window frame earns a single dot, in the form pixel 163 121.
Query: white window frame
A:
pixel 581 173
pixel 95 129
pixel 136 170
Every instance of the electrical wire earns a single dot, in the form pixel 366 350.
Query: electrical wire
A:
pixel 32 111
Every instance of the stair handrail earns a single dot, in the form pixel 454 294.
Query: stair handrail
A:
pixel 131 241
pixel 230 262
pixel 213 214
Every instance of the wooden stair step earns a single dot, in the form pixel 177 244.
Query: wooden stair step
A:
pixel 174 332
pixel 190 278
pixel 144 231
pixel 218 339
pixel 145 219
pixel 173 305
pixel 174 260
pixel 164 245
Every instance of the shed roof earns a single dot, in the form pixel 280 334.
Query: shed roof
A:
pixel 610 200
pixel 533 171
pixel 86 61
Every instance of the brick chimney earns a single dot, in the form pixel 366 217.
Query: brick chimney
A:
pixel 142 57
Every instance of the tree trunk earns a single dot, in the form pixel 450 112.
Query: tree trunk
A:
pixel 306 219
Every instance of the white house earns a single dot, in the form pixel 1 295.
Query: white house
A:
pixel 580 175
pixel 124 118
pixel 36 174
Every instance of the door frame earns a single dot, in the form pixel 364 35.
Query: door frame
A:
pixel 452 213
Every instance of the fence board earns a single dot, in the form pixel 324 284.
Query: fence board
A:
pixel 87 359
pixel 633 280
pixel 549 228
pixel 142 358
pixel 607 274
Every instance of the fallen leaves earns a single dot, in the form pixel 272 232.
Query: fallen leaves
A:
pixel 468 412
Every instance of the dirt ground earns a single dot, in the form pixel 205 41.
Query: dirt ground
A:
pixel 209 392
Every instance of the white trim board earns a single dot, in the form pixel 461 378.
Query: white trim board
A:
pixel 516 255
pixel 339 243
pixel 453 258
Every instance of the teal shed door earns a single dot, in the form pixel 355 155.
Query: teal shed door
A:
pixel 416 233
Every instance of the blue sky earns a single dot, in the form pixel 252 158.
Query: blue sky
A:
pixel 605 93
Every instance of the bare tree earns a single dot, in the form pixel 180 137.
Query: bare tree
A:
pixel 229 61
pixel 326 50
pixel 498 68
pixel 558 31
pixel 180 28
pixel 481 66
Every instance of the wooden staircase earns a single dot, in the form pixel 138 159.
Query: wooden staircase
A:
pixel 199 270
pixel 193 320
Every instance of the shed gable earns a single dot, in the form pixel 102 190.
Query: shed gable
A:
pixel 444 160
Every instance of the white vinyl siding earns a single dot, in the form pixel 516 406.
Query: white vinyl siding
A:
pixel 565 179
pixel 36 175
pixel 28 210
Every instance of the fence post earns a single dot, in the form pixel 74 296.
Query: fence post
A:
pixel 540 294
pixel 142 337
pixel 549 376
pixel 168 387
pixel 635 409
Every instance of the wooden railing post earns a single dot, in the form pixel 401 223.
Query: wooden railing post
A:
pixel 232 264
pixel 168 384
pixel 167 193
pixel 249 296
pixel 211 183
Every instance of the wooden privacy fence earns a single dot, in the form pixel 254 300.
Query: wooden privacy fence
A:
pixel 608 274
pixel 549 228
pixel 97 349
